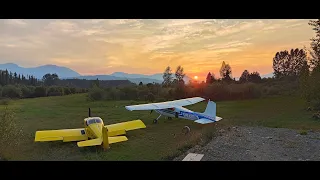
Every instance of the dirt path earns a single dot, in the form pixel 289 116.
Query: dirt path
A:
pixel 260 144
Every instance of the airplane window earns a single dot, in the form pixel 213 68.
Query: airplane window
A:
pixel 91 121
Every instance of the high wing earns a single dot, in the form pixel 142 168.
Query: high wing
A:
pixel 165 105
pixel 125 126
pixel 65 135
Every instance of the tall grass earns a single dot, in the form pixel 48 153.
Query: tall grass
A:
pixel 10 131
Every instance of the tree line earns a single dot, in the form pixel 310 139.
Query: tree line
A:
pixel 7 78
pixel 13 85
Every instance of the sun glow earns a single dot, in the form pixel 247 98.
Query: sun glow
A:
pixel 195 77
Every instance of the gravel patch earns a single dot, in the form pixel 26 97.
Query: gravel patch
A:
pixel 260 144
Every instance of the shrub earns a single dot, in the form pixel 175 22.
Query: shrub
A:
pixel 150 97
pixel 27 92
pixel 40 91
pixel 252 90
pixel 73 90
pixel 272 91
pixel 129 93
pixel 67 91
pixel 216 92
pixel 113 94
pixel 303 132
pixel 142 93
pixel 11 91
pixel 96 93
pixel 5 101
pixel 312 93
pixel 55 91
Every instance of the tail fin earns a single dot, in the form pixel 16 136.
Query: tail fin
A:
pixel 211 109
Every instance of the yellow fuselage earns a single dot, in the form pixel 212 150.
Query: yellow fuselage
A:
pixel 93 127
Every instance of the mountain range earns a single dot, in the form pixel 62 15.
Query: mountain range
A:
pixel 67 73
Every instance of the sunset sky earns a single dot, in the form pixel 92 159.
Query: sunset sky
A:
pixel 149 46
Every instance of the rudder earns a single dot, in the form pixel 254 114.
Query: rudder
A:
pixel 211 109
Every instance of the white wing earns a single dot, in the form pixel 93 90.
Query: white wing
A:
pixel 165 105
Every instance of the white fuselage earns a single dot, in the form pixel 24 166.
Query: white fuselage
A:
pixel 184 113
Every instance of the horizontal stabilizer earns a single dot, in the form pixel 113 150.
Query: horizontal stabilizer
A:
pixel 62 134
pixel 116 133
pixel 117 139
pixel 204 121
pixel 127 126
pixel 218 118
pixel 91 142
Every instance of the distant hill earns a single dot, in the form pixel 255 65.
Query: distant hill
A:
pixel 110 77
pixel 157 76
pixel 39 71
pixel 270 75
pixel 67 73
pixel 80 83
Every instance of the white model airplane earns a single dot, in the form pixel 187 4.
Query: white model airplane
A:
pixel 175 109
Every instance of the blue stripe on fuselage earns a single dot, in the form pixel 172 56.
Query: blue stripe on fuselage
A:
pixel 185 115
pixel 194 116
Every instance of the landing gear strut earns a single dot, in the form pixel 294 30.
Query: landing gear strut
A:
pixel 155 121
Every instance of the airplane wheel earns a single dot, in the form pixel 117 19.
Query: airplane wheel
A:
pixel 186 129
pixel 155 121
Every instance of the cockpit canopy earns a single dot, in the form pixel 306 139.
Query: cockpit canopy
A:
pixel 92 121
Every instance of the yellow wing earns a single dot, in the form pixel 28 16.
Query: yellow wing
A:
pixel 98 141
pixel 127 126
pixel 65 135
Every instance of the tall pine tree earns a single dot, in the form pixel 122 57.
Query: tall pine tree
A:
pixel 315 44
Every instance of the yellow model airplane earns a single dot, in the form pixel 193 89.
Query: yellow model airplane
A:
pixel 95 133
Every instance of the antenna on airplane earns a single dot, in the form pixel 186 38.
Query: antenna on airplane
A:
pixel 89 112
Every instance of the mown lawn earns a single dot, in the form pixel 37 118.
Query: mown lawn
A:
pixel 160 141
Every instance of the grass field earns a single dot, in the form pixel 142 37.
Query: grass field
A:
pixel 161 141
